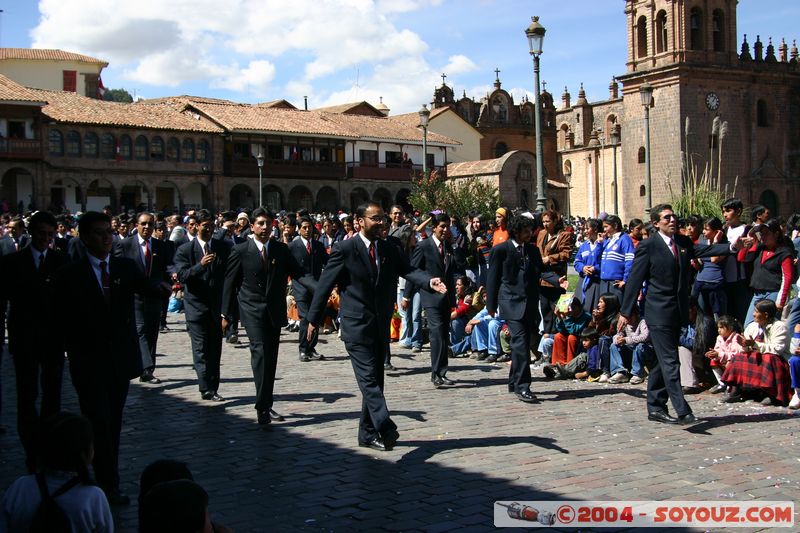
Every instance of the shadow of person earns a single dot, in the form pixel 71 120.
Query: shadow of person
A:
pixel 426 449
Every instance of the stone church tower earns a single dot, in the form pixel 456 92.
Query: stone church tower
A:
pixel 687 51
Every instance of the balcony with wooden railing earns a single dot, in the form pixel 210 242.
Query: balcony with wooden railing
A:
pixel 20 149
pixel 284 168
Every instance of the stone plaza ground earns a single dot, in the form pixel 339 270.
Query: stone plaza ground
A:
pixel 460 449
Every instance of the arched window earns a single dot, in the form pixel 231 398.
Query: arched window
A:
pixel 696 29
pixel 718 27
pixel 90 145
pixel 642 190
pixel 173 149
pixel 107 147
pixel 611 122
pixel 563 135
pixel 188 151
pixel 157 148
pixel 641 37
pixel 125 143
pixel 500 149
pixel 642 154
pixel 661 32
pixel 567 168
pixel 202 151
pixel 56 141
pixel 74 144
pixel 769 200
pixel 141 149
pixel 762 118
pixel 500 109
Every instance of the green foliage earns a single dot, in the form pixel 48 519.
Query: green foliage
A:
pixel 118 95
pixel 457 197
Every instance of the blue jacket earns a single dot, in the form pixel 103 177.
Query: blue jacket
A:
pixel 617 258
pixel 588 257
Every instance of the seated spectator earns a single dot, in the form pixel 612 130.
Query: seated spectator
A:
pixel 762 366
pixel 693 342
pixel 728 344
pixel 568 328
pixel 482 336
pixel 629 351
pixel 589 340
pixel 604 321
pixel 460 314
pixel 576 368
pixel 179 506
pixel 66 453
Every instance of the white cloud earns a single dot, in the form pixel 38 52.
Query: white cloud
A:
pixel 255 78
pixel 459 64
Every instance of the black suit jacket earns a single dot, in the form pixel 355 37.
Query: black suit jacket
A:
pixel 366 303
pixel 31 298
pixel 159 263
pixel 7 245
pixel 262 288
pixel 202 294
pixel 512 283
pixel 312 265
pixel 426 257
pixel 100 339
pixel 668 280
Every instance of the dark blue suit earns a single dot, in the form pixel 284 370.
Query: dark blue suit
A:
pixel 312 265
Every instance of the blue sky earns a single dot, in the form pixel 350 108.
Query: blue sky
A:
pixel 337 51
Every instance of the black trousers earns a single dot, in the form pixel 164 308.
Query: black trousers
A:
pixel 305 345
pixel 102 400
pixel 367 361
pixel 519 376
pixel 35 370
pixel 548 297
pixel 148 321
pixel 739 295
pixel 439 334
pixel 664 382
pixel 264 339
pixel 205 333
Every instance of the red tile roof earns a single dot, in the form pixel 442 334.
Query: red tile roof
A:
pixel 11 91
pixel 46 54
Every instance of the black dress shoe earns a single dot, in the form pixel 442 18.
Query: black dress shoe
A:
pixel 275 416
pixel 376 443
pixel 687 419
pixel 148 377
pixel 491 359
pixel 503 358
pixel 316 356
pixel 447 381
pixel 388 366
pixel 437 382
pixel 115 497
pixel 527 396
pixel 692 390
pixel 390 439
pixel 263 418
pixel 304 357
pixel 663 417
pixel 549 372
pixel 212 396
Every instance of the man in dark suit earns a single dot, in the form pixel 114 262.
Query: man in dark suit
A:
pixel 99 333
pixel 435 257
pixel 151 256
pixel 38 354
pixel 310 254
pixel 515 270
pixel 663 260
pixel 366 269
pixel 200 265
pixel 259 269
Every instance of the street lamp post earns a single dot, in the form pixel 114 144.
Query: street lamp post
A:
pixel 535 34
pixel 646 92
pixel 614 143
pixel 260 161
pixel 424 116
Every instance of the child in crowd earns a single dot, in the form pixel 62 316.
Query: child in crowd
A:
pixel 604 321
pixel 568 328
pixel 461 313
pixel 67 450
pixel 577 368
pixel 729 343
pixel 632 344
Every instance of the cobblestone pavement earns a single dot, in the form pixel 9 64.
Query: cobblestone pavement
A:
pixel 460 449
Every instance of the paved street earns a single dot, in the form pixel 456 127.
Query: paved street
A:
pixel 459 451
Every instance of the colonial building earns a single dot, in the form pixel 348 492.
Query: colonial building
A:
pixel 54 70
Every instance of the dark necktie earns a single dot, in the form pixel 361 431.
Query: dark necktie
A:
pixel 148 259
pixel 674 249
pixel 205 249
pixel 264 255
pixel 372 260
pixel 41 262
pixel 308 247
pixel 441 250
pixel 105 281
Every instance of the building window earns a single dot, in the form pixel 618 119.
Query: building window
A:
pixel 275 152
pixel 524 171
pixel 140 150
pixel 188 151
pixel 173 149
pixel 124 148
pixel 661 32
pixel 642 190
pixel 567 168
pixel 696 29
pixel 90 145
pixel 641 37
pixel 202 152
pixel 157 149
pixel 642 155
pixel 107 147
pixel 368 158
pixel 74 144
pixel 500 149
pixel 394 159
pixel 56 141
pixel 71 81
pixel 762 119
pixel 718 21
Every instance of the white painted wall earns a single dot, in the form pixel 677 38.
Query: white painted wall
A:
pixel 47 74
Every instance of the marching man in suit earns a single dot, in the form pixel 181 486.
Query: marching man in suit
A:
pixel 200 264
pixel 366 269
pixel 259 269
pixel 151 256
pixel 435 257
pixel 312 257
pixel 664 261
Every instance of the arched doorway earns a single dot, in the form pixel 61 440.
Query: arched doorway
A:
pixel 17 190
pixel 301 198
pixel 66 195
pixel 168 198
pixel 242 197
pixel 383 197
pixel 769 200
pixel 135 196
pixel 327 200
pixel 358 196
pixel 195 196
pixel 273 198
pixel 99 194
